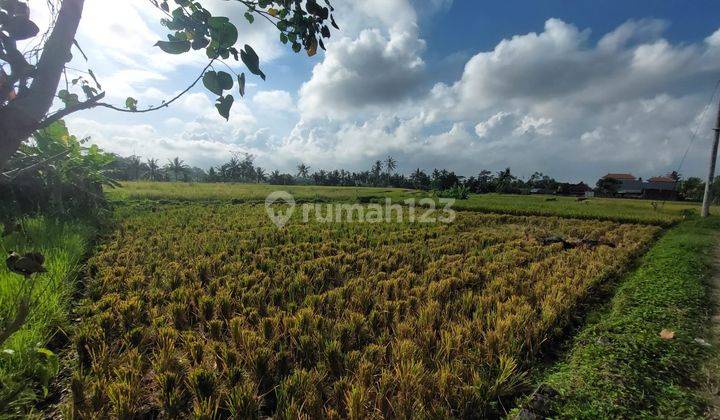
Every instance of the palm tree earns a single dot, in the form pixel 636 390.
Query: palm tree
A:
pixel 153 169
pixel 260 175
pixel 390 164
pixel 376 171
pixel 303 170
pixel 134 167
pixel 377 168
pixel 177 166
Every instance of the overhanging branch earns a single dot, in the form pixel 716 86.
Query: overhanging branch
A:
pixel 164 104
pixel 90 103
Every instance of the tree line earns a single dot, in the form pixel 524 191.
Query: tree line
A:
pixel 59 172
pixel 241 168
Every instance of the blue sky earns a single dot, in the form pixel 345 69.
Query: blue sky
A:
pixel 571 88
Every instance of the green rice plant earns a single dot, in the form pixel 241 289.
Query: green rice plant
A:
pixel 202 383
pixel 242 401
pixel 171 399
pixel 147 194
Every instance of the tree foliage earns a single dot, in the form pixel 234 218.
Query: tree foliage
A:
pixel 56 172
pixel 29 79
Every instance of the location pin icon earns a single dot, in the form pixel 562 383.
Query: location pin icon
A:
pixel 280 218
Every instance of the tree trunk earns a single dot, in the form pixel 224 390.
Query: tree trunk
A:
pixel 22 116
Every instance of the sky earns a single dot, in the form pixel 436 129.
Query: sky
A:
pixel 572 88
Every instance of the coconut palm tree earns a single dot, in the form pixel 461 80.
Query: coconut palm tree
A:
pixel 376 171
pixel 153 169
pixel 303 170
pixel 177 166
pixel 390 165
pixel 134 166
pixel 260 175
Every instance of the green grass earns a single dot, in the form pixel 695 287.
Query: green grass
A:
pixel 621 210
pixel 616 209
pixel 22 367
pixel 619 367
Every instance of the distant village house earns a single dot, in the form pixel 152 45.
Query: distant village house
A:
pixel 655 188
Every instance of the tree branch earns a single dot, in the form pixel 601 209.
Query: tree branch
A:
pixel 164 105
pixel 90 103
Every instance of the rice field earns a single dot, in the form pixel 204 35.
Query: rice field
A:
pixel 613 209
pixel 211 311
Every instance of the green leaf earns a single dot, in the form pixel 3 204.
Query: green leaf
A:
pixel 241 84
pixel 251 60
pixel 224 104
pixel 250 18
pixel 212 82
pixel 225 80
pixel 212 49
pixel 200 42
pixel 228 35
pixel 174 47
pixel 68 98
pixel 131 104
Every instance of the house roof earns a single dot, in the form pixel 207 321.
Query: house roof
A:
pixel 661 179
pixel 620 176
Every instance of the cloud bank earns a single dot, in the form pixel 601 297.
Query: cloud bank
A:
pixel 551 100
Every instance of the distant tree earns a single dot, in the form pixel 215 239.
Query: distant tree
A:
pixel 153 169
pixel 674 175
pixel 177 167
pixel 608 186
pixel 390 164
pixel 319 177
pixel 691 189
pixel 542 181
pixel 277 178
pixel 485 182
pixel 444 180
pixel 505 182
pixel 420 180
pixel 135 166
pixel 303 171
pixel 196 174
pixel 212 175
pixel 240 168
pixel 376 172
pixel 247 168
pixel 260 175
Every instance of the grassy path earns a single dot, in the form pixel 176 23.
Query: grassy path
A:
pixel 26 367
pixel 619 366
pixel 710 385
